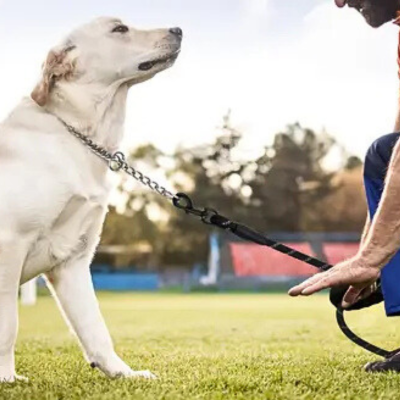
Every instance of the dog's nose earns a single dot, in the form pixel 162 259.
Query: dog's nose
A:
pixel 176 31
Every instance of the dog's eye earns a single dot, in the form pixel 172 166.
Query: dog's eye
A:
pixel 120 29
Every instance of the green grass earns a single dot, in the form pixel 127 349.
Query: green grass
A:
pixel 207 347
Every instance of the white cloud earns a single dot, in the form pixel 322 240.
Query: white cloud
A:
pixel 336 73
pixel 256 8
pixel 256 13
pixel 351 75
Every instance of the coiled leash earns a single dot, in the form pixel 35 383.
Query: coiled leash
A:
pixel 116 162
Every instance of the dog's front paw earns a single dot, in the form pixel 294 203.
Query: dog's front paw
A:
pixel 13 379
pixel 140 374
pixel 130 374
pixel 114 367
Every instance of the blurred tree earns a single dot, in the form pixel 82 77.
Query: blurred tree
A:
pixel 291 178
pixel 353 162
pixel 345 209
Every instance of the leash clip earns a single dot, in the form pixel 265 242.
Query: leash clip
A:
pixel 117 161
pixel 185 203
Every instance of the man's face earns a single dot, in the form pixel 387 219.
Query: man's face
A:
pixel 375 12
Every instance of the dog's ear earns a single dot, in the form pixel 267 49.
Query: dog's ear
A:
pixel 60 64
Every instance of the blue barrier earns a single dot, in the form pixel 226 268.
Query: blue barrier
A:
pixel 125 281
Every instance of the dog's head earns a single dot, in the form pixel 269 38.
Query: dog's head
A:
pixel 375 12
pixel 108 52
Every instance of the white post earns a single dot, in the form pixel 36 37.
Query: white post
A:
pixel 29 293
pixel 213 262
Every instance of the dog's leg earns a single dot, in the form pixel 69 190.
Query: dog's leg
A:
pixel 73 287
pixel 12 255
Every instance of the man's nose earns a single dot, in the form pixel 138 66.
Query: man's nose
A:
pixel 177 32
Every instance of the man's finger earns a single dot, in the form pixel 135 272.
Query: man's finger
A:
pixel 326 281
pixel 297 290
pixel 315 288
pixel 351 297
pixel 335 277
pixel 368 291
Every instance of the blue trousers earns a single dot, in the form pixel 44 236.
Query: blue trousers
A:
pixel 376 166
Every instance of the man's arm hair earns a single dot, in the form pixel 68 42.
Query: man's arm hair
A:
pixel 383 238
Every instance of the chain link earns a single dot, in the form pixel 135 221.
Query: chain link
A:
pixel 117 162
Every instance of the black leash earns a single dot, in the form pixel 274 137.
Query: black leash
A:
pixel 359 341
pixel 116 162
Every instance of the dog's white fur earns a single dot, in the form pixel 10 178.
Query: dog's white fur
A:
pixel 54 191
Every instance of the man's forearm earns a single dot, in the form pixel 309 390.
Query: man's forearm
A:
pixel 383 239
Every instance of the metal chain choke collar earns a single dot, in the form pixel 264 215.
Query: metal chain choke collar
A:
pixel 117 162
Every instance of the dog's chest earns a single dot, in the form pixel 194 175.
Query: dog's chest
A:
pixel 74 230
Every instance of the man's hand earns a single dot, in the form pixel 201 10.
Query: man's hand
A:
pixel 353 272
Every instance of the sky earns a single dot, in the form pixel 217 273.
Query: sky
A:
pixel 271 62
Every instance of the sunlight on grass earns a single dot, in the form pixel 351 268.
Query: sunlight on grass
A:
pixel 207 347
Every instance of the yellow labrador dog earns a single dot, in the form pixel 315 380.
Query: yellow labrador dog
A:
pixel 54 191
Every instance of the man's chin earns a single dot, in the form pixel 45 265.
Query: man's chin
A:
pixel 376 24
pixel 378 20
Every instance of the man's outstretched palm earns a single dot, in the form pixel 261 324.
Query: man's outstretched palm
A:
pixel 360 277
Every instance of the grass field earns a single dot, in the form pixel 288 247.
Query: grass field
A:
pixel 207 347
